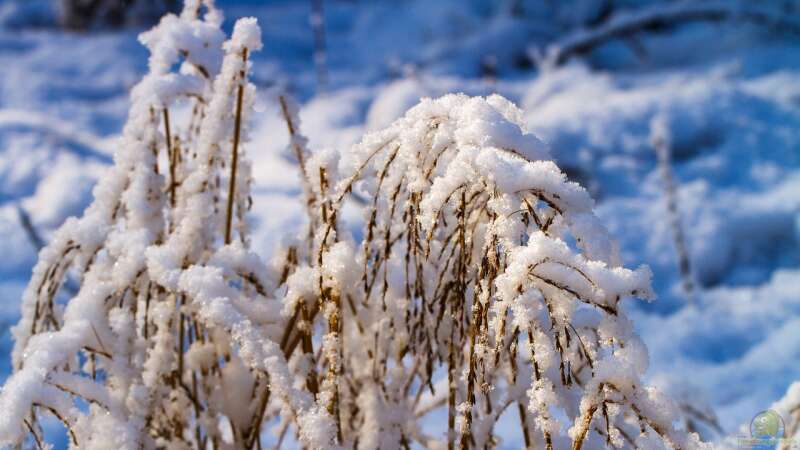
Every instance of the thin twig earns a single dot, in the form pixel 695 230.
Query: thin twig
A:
pixel 235 152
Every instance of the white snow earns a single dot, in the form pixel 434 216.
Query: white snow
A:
pixel 728 92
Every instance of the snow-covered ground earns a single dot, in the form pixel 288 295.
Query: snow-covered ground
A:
pixel 729 93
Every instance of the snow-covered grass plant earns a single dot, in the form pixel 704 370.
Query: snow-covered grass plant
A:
pixel 129 360
pixel 481 285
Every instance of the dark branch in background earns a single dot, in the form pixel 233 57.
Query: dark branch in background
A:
pixel 83 144
pixel 36 240
pixel 696 417
pixel 85 14
pixel 30 230
pixel 659 139
pixel 629 23
pixel 317 20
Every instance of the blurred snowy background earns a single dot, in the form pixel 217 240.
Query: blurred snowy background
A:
pixel 722 76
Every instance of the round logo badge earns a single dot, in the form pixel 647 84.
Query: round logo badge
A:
pixel 767 425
